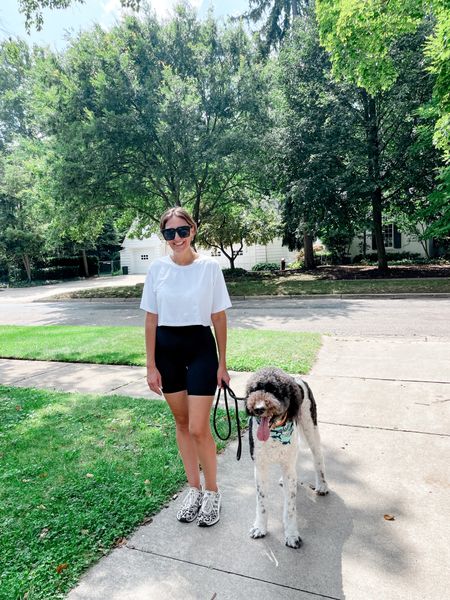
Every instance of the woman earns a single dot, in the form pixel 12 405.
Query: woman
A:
pixel 183 294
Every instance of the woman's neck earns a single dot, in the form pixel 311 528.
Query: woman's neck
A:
pixel 184 259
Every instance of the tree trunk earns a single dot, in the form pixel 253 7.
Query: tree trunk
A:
pixel 27 265
pixel 373 167
pixel 309 262
pixel 377 216
pixel 85 262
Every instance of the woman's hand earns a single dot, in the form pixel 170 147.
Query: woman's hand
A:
pixel 154 380
pixel 222 375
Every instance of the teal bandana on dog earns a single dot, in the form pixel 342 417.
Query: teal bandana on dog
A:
pixel 283 433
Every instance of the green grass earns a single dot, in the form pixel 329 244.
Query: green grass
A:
pixel 247 349
pixel 292 285
pixel 251 349
pixel 297 285
pixel 78 473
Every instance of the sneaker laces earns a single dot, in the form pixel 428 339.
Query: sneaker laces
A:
pixel 209 502
pixel 191 498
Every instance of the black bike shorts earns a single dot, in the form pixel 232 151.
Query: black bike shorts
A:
pixel 186 357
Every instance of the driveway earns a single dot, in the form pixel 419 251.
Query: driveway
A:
pixel 40 293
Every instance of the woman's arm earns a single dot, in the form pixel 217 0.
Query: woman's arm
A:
pixel 219 321
pixel 153 375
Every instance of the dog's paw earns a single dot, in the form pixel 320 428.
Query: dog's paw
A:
pixel 257 532
pixel 321 489
pixel 293 541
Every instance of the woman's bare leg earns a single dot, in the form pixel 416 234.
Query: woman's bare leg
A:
pixel 200 432
pixel 178 403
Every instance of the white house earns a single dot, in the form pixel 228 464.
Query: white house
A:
pixel 395 241
pixel 138 254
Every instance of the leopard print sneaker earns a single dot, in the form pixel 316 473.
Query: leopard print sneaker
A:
pixel 209 512
pixel 191 505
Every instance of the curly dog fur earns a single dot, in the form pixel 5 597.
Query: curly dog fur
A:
pixel 282 407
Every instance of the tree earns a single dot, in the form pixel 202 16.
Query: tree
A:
pixel 21 226
pixel 16 64
pixel 320 145
pixel 275 18
pixel 361 37
pixel 22 229
pixel 149 116
pixel 255 222
pixel 281 15
pixel 32 9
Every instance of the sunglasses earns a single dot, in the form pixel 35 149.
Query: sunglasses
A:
pixel 183 232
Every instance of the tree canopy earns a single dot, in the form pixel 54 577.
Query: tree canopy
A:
pixel 149 116
pixel 339 114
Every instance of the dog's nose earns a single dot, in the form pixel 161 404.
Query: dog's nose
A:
pixel 258 410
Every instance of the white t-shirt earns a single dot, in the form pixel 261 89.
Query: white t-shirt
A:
pixel 185 295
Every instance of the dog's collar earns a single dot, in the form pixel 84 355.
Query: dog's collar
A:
pixel 280 423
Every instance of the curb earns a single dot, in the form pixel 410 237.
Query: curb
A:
pixel 396 296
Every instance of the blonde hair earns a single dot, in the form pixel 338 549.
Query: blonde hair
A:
pixel 176 211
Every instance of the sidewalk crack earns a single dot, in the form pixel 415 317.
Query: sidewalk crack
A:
pixel 189 562
pixel 393 429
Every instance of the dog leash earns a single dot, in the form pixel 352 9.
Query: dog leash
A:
pixel 227 389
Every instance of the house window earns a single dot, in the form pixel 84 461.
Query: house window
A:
pixel 388 235
pixel 144 256
pixel 216 252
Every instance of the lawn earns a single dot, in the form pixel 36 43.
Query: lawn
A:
pixel 248 349
pixel 79 474
pixel 297 285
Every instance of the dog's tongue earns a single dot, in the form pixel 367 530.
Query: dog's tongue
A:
pixel 263 432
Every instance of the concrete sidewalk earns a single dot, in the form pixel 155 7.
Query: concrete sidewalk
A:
pixel 384 413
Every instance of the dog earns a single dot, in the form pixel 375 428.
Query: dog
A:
pixel 283 408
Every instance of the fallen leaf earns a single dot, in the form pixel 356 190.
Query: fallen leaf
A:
pixel 42 507
pixel 147 481
pixel 89 475
pixel 389 518
pixel 43 474
pixel 61 567
pixel 18 407
pixel 44 532
pixel 120 542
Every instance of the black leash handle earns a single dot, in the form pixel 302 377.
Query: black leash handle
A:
pixel 226 389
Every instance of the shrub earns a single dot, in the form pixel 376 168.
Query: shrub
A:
pixel 51 273
pixel 266 266
pixel 237 272
pixel 413 257
pixel 297 264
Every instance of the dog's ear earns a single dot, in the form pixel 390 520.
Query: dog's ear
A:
pixel 295 394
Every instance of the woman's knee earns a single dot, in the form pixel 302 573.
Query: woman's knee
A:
pixel 182 424
pixel 199 433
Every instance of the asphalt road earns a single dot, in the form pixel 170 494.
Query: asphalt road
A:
pixel 411 317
